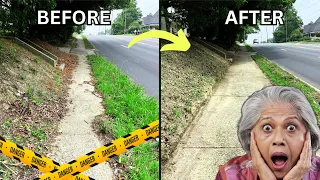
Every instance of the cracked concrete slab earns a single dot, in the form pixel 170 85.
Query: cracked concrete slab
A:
pixel 212 139
pixel 77 137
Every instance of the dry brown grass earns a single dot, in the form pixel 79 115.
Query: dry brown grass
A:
pixel 187 80
pixel 32 123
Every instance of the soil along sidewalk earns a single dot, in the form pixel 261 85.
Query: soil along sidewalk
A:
pixel 77 137
pixel 212 140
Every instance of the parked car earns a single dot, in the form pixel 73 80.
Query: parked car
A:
pixel 255 41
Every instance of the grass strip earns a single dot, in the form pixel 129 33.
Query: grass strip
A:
pixel 282 78
pixel 249 48
pixel 130 109
pixel 87 43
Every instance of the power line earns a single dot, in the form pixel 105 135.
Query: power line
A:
pixel 303 3
pixel 312 4
pixel 311 18
pixel 314 12
pixel 152 6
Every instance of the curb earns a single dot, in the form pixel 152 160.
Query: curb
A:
pixel 316 89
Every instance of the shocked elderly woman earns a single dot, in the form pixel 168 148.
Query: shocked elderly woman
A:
pixel 278 130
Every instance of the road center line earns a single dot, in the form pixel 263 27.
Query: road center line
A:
pixel 283 49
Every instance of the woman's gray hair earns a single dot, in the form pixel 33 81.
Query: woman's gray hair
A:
pixel 253 107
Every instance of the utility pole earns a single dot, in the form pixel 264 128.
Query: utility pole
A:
pixel 125 21
pixel 267 33
pixel 111 23
pixel 272 29
pixel 286 28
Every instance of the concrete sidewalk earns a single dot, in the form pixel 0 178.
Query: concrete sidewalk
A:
pixel 77 136
pixel 212 140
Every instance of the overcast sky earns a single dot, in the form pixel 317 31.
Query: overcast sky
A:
pixel 146 6
pixel 308 10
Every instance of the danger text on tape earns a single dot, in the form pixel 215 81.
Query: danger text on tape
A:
pixel 31 158
pixel 103 153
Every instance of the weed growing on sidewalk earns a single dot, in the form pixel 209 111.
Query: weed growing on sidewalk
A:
pixel 87 43
pixel 129 109
pixel 283 78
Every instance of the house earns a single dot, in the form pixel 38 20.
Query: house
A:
pixel 151 22
pixel 312 29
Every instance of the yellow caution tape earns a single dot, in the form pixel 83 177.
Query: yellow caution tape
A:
pixel 103 153
pixel 31 158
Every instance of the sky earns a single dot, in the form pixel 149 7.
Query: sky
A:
pixel 308 10
pixel 146 6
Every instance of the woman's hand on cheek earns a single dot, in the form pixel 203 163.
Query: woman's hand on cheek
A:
pixel 303 164
pixel 258 163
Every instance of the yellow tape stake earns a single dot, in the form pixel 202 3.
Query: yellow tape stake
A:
pixel 103 153
pixel 31 158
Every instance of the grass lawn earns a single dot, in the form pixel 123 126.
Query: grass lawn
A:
pixel 283 78
pixel 128 34
pixel 87 43
pixel 303 42
pixel 128 109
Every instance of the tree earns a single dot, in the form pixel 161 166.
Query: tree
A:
pixel 23 16
pixel 207 18
pixel 290 30
pixel 129 15
pixel 78 29
pixel 117 28
pixel 296 35
pixel 134 26
pixel 17 15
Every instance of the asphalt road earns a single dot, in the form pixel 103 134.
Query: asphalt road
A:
pixel 140 62
pixel 302 60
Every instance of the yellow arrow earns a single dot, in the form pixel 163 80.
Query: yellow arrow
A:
pixel 180 42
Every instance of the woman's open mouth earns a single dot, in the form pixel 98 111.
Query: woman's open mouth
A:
pixel 279 160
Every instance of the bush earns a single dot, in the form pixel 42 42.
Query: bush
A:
pixel 144 30
pixel 306 39
pixel 316 40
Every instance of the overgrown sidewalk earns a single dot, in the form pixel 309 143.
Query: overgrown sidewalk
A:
pixel 127 108
pixel 77 136
pixel 211 139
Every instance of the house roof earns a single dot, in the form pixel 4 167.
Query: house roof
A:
pixel 151 19
pixel 312 27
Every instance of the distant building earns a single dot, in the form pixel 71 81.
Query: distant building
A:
pixel 151 22
pixel 312 29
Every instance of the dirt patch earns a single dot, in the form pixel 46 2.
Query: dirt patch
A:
pixel 32 103
pixel 70 60
pixel 187 80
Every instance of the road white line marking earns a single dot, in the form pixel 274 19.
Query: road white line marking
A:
pixel 319 57
pixel 124 46
pixel 148 44
pixel 283 49
pixel 307 48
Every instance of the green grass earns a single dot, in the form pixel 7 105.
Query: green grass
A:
pixel 87 43
pixel 129 34
pixel 37 60
pixel 249 48
pixel 130 109
pixel 283 78
pixel 303 42
pixel 38 133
